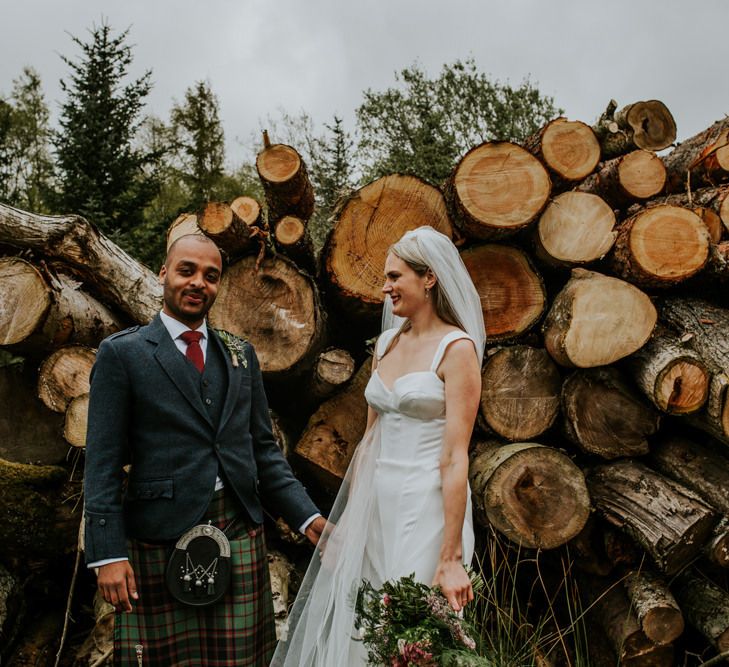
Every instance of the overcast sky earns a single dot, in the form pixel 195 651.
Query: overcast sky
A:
pixel 319 55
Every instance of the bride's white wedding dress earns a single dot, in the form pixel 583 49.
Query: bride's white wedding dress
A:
pixel 392 520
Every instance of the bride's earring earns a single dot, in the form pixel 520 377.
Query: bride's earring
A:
pixel 427 292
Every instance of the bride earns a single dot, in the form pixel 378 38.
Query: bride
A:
pixel 404 505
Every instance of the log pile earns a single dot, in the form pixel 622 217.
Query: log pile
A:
pixel 604 415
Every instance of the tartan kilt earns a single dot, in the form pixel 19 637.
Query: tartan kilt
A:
pixel 238 630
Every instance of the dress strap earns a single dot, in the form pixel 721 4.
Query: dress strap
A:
pixel 443 346
pixel 383 341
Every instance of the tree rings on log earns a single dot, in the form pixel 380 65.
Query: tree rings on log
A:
pixel 647 125
pixel 282 316
pixel 520 392
pixel 596 320
pixel 569 148
pixel 64 375
pixel 576 228
pixel 371 220
pixel 293 240
pixel 218 222
pixel 328 443
pixel 183 225
pixel 24 300
pixel 661 246
pixel 248 210
pixel 77 413
pixel 512 293
pixel 285 181
pixel 603 416
pixel 497 189
pixel 333 368
pixel 533 495
pixel 668 520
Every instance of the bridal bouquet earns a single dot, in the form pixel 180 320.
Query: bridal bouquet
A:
pixel 408 624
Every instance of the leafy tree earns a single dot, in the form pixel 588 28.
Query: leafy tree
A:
pixel 26 165
pixel 102 170
pixel 199 143
pixel 424 125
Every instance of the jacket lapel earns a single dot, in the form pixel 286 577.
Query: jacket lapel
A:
pixel 234 377
pixel 173 363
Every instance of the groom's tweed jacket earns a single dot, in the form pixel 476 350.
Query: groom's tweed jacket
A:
pixel 178 429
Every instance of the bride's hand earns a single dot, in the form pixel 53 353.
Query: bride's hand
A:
pixel 454 582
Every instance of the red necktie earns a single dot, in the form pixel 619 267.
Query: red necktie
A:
pixel 194 352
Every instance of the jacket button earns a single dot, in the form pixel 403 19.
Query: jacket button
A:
pixel 208 401
pixel 206 383
pixel 102 522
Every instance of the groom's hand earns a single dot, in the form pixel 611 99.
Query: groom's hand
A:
pixel 117 584
pixel 315 529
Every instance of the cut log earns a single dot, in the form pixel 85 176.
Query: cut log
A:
pixel 698 467
pixel 658 612
pixel 604 416
pixel 280 433
pixel 104 268
pixel 717 548
pixel 282 317
pixel 629 178
pixel 279 570
pixel 292 239
pixel 369 222
pixel 706 607
pixel 701 160
pixel 218 222
pixel 333 369
pixel 497 189
pixel 249 211
pixel 513 296
pixel 569 149
pixel 64 375
pixel 706 329
pixel 285 181
pixel 717 269
pixel 183 225
pixel 631 645
pixel 327 445
pixel 39 313
pixel 31 433
pixel 575 228
pixel 647 125
pixel 670 374
pixel 711 204
pixel 660 246
pixel 532 494
pixel 520 392
pixel 668 520
pixel 77 414
pixel 40 525
pixel 596 320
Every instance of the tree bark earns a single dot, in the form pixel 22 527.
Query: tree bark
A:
pixel 569 149
pixel 575 228
pixel 74 428
pixel 183 225
pixel 520 392
pixel 282 317
pixel 604 416
pixel 660 246
pixel 64 375
pixel 705 328
pixel 637 176
pixel 369 222
pixel 670 374
pixel 219 223
pixel 717 548
pixel 513 296
pixel 327 445
pixel 532 494
pixel 700 160
pixel 668 520
pixel 596 320
pixel 285 181
pixel 279 569
pixel 496 189
pixel 647 125
pixel 104 268
pixel 706 607
pixel 292 239
pixel 658 612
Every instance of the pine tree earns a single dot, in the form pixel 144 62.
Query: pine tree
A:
pixel 102 171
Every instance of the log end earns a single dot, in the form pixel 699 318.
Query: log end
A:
pixel 653 125
pixel 278 163
pixel 641 174
pixel 570 149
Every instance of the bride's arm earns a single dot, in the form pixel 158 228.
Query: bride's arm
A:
pixel 462 378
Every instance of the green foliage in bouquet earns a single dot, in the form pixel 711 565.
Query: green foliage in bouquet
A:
pixel 408 624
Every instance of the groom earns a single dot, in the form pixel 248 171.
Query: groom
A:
pixel 187 411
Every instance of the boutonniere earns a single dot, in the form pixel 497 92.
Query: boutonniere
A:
pixel 236 347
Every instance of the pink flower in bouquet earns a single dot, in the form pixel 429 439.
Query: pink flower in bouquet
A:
pixel 385 599
pixel 413 654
